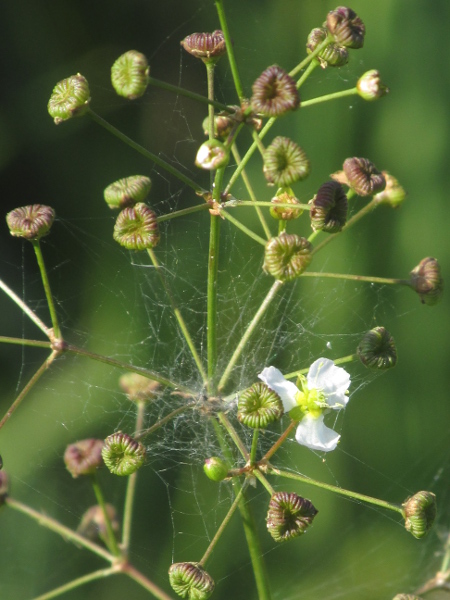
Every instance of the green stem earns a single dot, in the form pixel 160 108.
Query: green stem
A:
pixel 230 48
pixel 254 447
pixel 46 284
pixel 77 583
pixel 250 329
pixel 111 540
pixel 333 96
pixel 310 58
pixel 213 265
pixel 22 342
pixel 161 422
pixel 350 277
pixel 148 585
pixel 243 228
pixel 178 315
pixel 146 153
pixel 234 203
pixel 234 436
pixel 182 92
pixel 183 212
pixel 260 477
pixel 21 304
pixel 279 441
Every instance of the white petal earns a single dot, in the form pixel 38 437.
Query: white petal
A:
pixel 287 390
pixel 313 434
pixel 331 380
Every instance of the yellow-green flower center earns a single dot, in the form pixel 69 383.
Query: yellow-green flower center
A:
pixel 309 401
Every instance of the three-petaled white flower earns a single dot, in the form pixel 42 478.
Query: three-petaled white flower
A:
pixel 323 389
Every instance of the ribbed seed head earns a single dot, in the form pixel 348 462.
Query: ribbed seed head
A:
pixel 212 155
pixel 258 406
pixel 329 208
pixel 285 196
pixel 215 468
pixel 285 162
pixel 190 581
pixel 30 222
pixel 419 512
pixel 287 256
pixel 83 457
pixel 332 55
pixel 274 93
pixel 377 349
pixel 289 516
pixel 130 75
pixel 122 454
pixel 136 228
pixel 427 281
pixel 209 47
pixel 393 194
pixel 139 388
pixel 70 98
pixel 370 87
pixel 127 191
pixel 346 27
pixel 93 526
pixel 363 176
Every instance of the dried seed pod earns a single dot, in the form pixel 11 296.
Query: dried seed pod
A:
pixel 190 581
pixel 70 98
pixel 329 208
pixel 212 155
pixel 136 228
pixel 127 191
pixel 122 454
pixel 139 388
pixel 377 349
pixel 285 196
pixel 426 280
pixel 289 516
pixel 130 75
pixel 83 457
pixel 393 194
pixel 332 55
pixel 93 525
pixel 274 93
pixel 419 512
pixel 215 468
pixel 258 406
pixel 370 87
pixel 285 162
pixel 363 176
pixel 30 222
pixel 287 256
pixel 209 47
pixel 346 27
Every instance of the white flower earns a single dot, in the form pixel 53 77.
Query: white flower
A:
pixel 323 389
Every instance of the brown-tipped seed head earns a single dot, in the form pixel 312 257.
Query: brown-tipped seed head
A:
pixel 83 457
pixel 209 47
pixel 274 93
pixel 93 525
pixel 332 55
pixel 30 222
pixel 285 162
pixel 136 228
pixel 215 468
pixel 329 208
pixel 70 98
pixel 287 256
pixel 139 388
pixel 346 27
pixel 212 155
pixel 258 406
pixel 285 196
pixel 377 349
pixel 427 281
pixel 363 176
pixel 190 581
pixel 127 191
pixel 419 512
pixel 4 487
pixel 370 87
pixel 130 75
pixel 122 454
pixel 393 194
pixel 289 516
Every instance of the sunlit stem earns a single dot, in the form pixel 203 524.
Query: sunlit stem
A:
pixel 327 97
pixel 250 330
pixel 21 304
pixel 280 440
pixel 183 212
pixel 210 79
pixel 221 529
pixel 244 228
pixel 29 386
pixel 260 477
pixel 350 277
pixel 230 49
pixel 254 447
pixel 235 203
pixel 148 585
pixel 46 284
pixel 337 361
pixel 146 153
pixel 163 421
pixel 178 315
pixel 257 140
pixel 310 68
pixel 22 342
pixel 110 539
pixel 182 92
pixel 332 488
pixel 77 583
pixel 234 436
pixel 311 57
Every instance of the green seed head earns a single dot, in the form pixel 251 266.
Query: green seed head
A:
pixel 215 468
pixel 127 191
pixel 30 222
pixel 289 516
pixel 287 256
pixel 122 454
pixel 130 75
pixel 258 406
pixel 377 349
pixel 190 581
pixel 70 98
pixel 285 162
pixel 136 228
pixel 419 512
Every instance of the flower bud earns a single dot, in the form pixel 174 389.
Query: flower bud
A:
pixel 363 177
pixel 130 75
pixel 30 222
pixel 287 256
pixel 285 162
pixel 209 47
pixel 215 468
pixel 190 581
pixel 285 196
pixel 393 194
pixel 258 406
pixel 377 349
pixel 332 55
pixel 419 512
pixel 127 191
pixel 427 281
pixel 70 98
pixel 139 388
pixel 83 457
pixel 289 516
pixel 136 228
pixel 329 208
pixel 346 27
pixel 4 487
pixel 122 454
pixel 370 86
pixel 274 93
pixel 212 155
pixel 93 526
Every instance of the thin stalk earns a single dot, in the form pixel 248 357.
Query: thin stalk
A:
pixel 213 266
pixel 148 585
pixel 183 212
pixel 333 96
pixel 234 436
pixel 243 228
pixel 230 48
pixel 77 583
pixel 111 540
pixel 182 92
pixel 254 447
pixel 234 203
pixel 260 477
pixel 48 292
pixel 22 342
pixel 332 488
pixel 311 57
pixel 337 361
pixel 178 315
pixel 161 422
pixel 310 68
pixel 249 331
pixel 146 153
pixel 268 455
pixel 350 277
pixel 21 304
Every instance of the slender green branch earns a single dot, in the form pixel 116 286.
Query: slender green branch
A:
pixel 280 440
pixel 234 435
pixel 350 277
pixel 230 49
pixel 77 583
pixel 310 58
pixel 161 422
pixel 235 203
pixel 337 361
pixel 192 95
pixel 213 266
pixel 254 447
pixel 183 212
pixel 21 304
pixel 260 477
pixel 148 585
pixel 48 292
pixel 327 97
pixel 243 228
pixel 22 342
pixel 110 539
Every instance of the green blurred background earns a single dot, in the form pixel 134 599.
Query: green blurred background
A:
pixel 395 431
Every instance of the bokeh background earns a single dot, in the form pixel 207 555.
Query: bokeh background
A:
pixel 396 430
